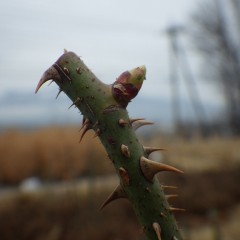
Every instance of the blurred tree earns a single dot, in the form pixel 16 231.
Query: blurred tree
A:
pixel 217 35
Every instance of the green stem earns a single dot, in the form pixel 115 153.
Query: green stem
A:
pixel 104 110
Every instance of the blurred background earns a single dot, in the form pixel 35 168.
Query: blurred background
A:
pixel 51 187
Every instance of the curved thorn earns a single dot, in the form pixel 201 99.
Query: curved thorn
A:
pixel 132 120
pixel 49 74
pixel 150 168
pixel 75 102
pixel 140 123
pixel 71 105
pixel 85 122
pixel 157 230
pixel 84 132
pixel 116 194
pixel 58 93
pixel 149 150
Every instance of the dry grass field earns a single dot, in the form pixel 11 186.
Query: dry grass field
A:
pixel 63 209
pixel 50 154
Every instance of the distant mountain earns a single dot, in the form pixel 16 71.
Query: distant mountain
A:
pixel 26 109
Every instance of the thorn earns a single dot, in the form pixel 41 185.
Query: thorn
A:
pixel 168 187
pixel 116 194
pixel 150 168
pixel 147 189
pixel 95 124
pixel 75 102
pixel 84 132
pixel 140 123
pixel 58 93
pixel 125 151
pixel 49 74
pixel 66 70
pixel 124 176
pixel 97 133
pixel 65 50
pixel 122 122
pixel 157 230
pixel 85 122
pixel 132 120
pixel 78 70
pixel 171 196
pixel 50 83
pixel 162 214
pixel 172 209
pixel 149 150
pixel 72 105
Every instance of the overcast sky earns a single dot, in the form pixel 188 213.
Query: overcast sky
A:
pixel 111 36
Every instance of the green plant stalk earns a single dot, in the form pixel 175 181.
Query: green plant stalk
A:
pixel 104 109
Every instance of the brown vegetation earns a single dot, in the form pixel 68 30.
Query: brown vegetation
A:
pixel 55 154
pixel 209 188
pixel 50 154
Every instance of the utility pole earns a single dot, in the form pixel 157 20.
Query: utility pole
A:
pixel 174 80
pixel 181 59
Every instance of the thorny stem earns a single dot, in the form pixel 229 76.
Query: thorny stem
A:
pixel 104 109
